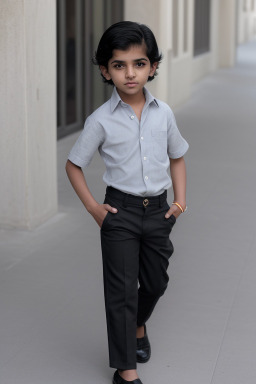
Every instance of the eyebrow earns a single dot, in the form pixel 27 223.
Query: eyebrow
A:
pixel 136 60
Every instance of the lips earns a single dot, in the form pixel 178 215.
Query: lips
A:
pixel 131 84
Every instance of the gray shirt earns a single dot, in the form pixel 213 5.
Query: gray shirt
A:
pixel 136 153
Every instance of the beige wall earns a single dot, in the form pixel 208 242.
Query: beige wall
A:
pixel 28 187
pixel 227 32
pixel 180 69
pixel 145 12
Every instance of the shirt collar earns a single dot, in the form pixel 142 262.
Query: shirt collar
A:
pixel 116 99
pixel 149 98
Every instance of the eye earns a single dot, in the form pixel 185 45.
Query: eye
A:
pixel 140 64
pixel 118 66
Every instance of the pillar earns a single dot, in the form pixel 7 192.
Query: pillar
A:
pixel 28 187
pixel 227 32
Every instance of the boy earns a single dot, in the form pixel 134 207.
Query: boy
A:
pixel 138 139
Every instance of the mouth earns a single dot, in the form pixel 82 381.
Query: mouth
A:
pixel 131 84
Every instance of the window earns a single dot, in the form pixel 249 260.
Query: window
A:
pixel 80 90
pixel 202 27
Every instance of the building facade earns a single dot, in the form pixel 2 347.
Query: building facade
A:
pixel 80 23
pixel 49 86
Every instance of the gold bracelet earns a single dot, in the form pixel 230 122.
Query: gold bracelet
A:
pixel 178 205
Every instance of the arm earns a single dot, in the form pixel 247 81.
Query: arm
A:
pixel 178 175
pixel 77 179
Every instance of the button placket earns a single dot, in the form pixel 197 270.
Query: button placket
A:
pixel 130 112
pixel 143 148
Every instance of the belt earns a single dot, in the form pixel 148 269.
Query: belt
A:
pixel 137 201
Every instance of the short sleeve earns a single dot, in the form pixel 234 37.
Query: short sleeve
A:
pixel 176 144
pixel 88 142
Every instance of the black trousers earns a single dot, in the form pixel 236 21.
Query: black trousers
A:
pixel 135 250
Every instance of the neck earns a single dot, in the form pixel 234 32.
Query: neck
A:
pixel 133 99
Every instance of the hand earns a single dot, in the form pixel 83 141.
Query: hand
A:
pixel 174 210
pixel 99 212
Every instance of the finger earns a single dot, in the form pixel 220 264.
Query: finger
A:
pixel 169 213
pixel 110 209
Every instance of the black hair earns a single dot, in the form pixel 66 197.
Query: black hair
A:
pixel 123 35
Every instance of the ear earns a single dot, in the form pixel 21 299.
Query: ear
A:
pixel 104 72
pixel 153 69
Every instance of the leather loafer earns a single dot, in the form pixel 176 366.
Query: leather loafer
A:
pixel 143 351
pixel 117 379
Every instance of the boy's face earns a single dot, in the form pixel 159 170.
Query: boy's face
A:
pixel 129 70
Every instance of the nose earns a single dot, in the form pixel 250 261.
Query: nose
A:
pixel 130 73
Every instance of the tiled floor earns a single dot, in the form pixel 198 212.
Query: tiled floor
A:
pixel 203 331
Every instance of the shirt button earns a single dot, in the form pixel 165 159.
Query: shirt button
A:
pixel 132 117
pixel 146 177
pixel 145 158
pixel 142 137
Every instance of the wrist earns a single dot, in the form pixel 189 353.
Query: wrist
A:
pixel 91 206
pixel 180 204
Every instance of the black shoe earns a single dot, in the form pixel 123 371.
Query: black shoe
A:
pixel 117 379
pixel 143 351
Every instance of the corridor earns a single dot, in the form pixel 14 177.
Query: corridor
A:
pixel 203 331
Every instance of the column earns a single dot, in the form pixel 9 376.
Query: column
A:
pixel 227 32
pixel 28 188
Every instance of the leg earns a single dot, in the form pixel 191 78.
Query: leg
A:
pixel 120 253
pixel 155 251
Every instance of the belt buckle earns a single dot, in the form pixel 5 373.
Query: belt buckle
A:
pixel 145 202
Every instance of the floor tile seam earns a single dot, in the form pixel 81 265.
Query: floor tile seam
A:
pixel 232 306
